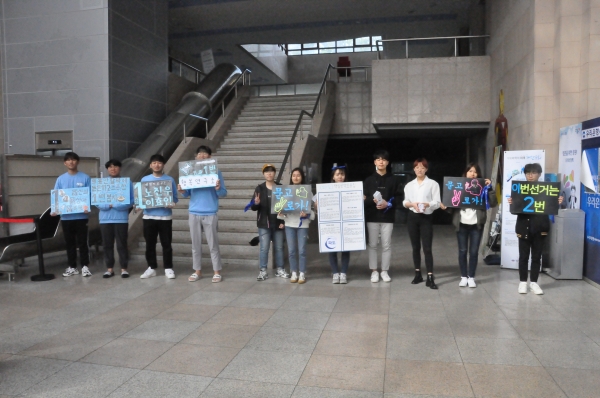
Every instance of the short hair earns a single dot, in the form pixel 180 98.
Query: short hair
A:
pixel 423 161
pixel 573 188
pixel 157 158
pixel 71 156
pixel 381 153
pixel 533 168
pixel 112 162
pixel 203 148
pixel 302 177
pixel 342 169
pixel 469 167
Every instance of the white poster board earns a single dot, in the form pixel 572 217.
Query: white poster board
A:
pixel 569 165
pixel 341 217
pixel 208 60
pixel 514 164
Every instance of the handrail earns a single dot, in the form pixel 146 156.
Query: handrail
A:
pixel 197 71
pixel 428 38
pixel 299 122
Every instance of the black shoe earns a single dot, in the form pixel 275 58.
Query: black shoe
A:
pixel 430 282
pixel 418 278
pixel 124 274
pixel 108 275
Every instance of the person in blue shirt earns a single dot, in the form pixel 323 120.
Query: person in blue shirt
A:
pixel 158 221
pixel 114 223
pixel 75 226
pixel 204 204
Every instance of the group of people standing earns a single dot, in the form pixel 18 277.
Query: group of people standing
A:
pixel 382 196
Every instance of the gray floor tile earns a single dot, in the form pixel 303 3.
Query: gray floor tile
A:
pixel 128 353
pixel 566 354
pixel 211 298
pixel 298 320
pixel 194 360
pixel 319 304
pixel 549 330
pixel 266 366
pixel 431 326
pixel 372 292
pixel 483 327
pixel 311 392
pixel 273 287
pixel 163 330
pixel 426 378
pixel 98 381
pixel 190 312
pixel 362 306
pixel 312 290
pixel 416 309
pixel 367 345
pixel 532 312
pixel 422 348
pixel 67 346
pixel 221 335
pixel 577 383
pixel 20 373
pixel 243 316
pixel 250 300
pixel 514 381
pixel 302 341
pixel 359 323
pixel 347 373
pixel 247 389
pixel 149 384
pixel 496 351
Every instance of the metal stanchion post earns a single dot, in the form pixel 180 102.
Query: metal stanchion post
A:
pixel 42 276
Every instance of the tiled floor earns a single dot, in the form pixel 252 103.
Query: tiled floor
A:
pixel 93 337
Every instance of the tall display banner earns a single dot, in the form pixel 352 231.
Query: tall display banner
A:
pixel 514 165
pixel 590 197
pixel 569 165
pixel 496 184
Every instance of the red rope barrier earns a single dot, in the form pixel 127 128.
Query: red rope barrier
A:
pixel 16 220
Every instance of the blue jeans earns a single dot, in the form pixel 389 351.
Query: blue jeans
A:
pixel 333 261
pixel 296 241
pixel 266 236
pixel 465 234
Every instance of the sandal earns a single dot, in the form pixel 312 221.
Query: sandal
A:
pixel 216 278
pixel 194 277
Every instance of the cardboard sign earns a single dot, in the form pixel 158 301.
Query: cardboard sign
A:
pixel 534 197
pixel 153 194
pixel 291 198
pixel 463 193
pixel 198 173
pixel 111 191
pixel 70 200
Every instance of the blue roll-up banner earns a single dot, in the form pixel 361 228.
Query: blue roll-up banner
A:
pixel 590 197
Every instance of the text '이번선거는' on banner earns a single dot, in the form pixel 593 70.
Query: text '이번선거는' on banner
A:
pixel 534 197
pixel 464 193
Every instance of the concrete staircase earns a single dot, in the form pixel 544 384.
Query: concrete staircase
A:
pixel 261 134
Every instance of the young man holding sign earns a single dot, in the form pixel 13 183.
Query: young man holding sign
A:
pixel 75 226
pixel 204 204
pixel 531 229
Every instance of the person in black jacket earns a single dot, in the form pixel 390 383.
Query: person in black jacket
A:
pixel 270 228
pixel 531 229
pixel 380 210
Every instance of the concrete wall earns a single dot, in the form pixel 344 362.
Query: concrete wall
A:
pixel 138 72
pixel 353 109
pixel 55 72
pixel 431 90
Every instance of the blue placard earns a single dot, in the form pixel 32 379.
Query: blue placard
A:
pixel 70 200
pixel 111 191
pixel 153 194
pixel 291 198
pixel 198 173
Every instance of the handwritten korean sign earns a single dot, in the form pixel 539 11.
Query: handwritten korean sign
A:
pixel 463 193
pixel 70 200
pixel 534 197
pixel 152 194
pixel 198 173
pixel 291 198
pixel 111 191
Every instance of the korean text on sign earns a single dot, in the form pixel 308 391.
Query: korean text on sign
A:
pixel 458 192
pixel 152 194
pixel 70 201
pixel 111 191
pixel 291 198
pixel 198 173
pixel 534 197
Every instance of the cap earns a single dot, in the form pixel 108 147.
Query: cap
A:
pixel 267 165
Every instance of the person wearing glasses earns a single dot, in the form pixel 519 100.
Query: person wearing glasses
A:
pixel 422 198
pixel 531 229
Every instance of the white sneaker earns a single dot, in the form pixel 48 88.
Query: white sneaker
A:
pixel 169 273
pixel 148 273
pixel 375 277
pixel 282 274
pixel 294 277
pixel 262 275
pixel 535 288
pixel 70 272
pixel 463 281
pixel 336 279
pixel 85 271
pixel 471 282
pixel 385 276
pixel 523 287
pixel 343 279
pixel 302 278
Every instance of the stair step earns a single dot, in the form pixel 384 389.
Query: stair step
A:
pixel 224 225
pixel 224 214
pixel 243 129
pixel 250 158
pixel 258 145
pixel 250 140
pixel 225 238
pixel 282 122
pixel 259 112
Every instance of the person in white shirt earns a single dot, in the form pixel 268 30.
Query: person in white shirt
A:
pixel 422 198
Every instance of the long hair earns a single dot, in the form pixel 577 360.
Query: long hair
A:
pixel 302 177
pixel 477 169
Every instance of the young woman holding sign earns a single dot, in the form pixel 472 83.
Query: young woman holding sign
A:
pixel 296 233
pixel 469 225
pixel 338 174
